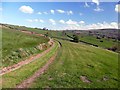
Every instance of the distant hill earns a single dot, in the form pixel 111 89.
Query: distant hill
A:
pixel 112 33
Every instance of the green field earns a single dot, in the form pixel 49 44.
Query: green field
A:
pixel 91 39
pixel 14 40
pixel 77 65
pixel 51 33
pixel 105 44
pixel 59 34
pixel 14 78
pixel 75 60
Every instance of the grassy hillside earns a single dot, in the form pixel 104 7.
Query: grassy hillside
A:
pixel 61 34
pixel 105 44
pixel 13 41
pixel 76 65
pixel 51 33
pixel 82 66
pixel 10 80
pixel 90 39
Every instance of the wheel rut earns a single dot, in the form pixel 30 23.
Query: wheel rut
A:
pixel 26 83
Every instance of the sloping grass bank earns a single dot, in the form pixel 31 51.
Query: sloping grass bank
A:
pixel 14 78
pixel 14 42
pixel 81 66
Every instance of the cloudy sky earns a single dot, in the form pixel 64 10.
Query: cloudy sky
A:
pixel 61 15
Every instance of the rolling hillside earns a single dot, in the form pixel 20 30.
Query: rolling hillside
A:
pixel 59 44
pixel 78 66
pixel 16 43
pixel 10 80
pixel 103 42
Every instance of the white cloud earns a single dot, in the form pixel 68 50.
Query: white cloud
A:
pixel 26 9
pixel 117 8
pixel 98 9
pixel 62 21
pixel 52 21
pixel 39 13
pixel 35 20
pixel 81 25
pixel 71 22
pixel 45 12
pixel 60 11
pixel 82 22
pixel 114 24
pixel 91 26
pixel 103 25
pixel 41 21
pixel 66 12
pixel 71 27
pixel 70 12
pixel 96 1
pixel 52 11
pixel 86 4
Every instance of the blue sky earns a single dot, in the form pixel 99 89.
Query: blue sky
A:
pixel 61 15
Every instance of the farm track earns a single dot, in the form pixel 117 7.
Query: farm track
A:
pixel 27 61
pixel 22 63
pixel 80 66
pixel 26 83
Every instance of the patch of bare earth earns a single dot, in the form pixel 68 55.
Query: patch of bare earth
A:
pixel 26 83
pixel 85 79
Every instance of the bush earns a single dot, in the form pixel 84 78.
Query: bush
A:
pixel 46 34
pixel 98 37
pixel 101 40
pixel 114 48
pixel 75 38
pixel 103 36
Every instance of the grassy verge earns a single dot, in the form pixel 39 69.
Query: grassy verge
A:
pixel 75 60
pixel 17 45
pixel 14 78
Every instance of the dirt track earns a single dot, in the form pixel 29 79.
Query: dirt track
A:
pixel 22 63
pixel 26 83
pixel 32 58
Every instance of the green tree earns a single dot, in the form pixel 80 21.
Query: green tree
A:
pixel 75 38
pixel 46 34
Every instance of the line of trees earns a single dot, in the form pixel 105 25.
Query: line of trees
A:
pixel 74 38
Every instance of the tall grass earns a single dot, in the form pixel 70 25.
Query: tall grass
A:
pixel 14 40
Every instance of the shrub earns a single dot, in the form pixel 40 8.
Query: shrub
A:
pixel 101 40
pixel 114 48
pixel 98 37
pixel 75 38
pixel 103 36
pixel 46 34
